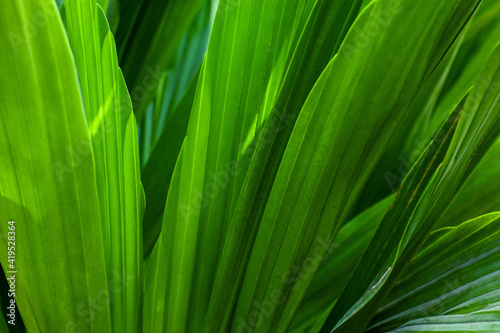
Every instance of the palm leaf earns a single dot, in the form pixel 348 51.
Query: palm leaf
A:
pixel 329 155
pixel 145 49
pixel 272 136
pixel 455 275
pixel 486 321
pixel 478 196
pixel 429 189
pixel 48 179
pixel 113 133
pixel 193 223
pixel 337 267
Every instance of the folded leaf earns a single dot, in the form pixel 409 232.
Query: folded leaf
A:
pixel 113 132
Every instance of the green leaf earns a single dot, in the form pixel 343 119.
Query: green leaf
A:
pixel 470 323
pixel 400 235
pixel 159 168
pixel 3 325
pixel 226 114
pixel 305 64
pixel 455 274
pixel 113 132
pixel 446 87
pixel 48 180
pixel 184 65
pixel 311 47
pixel 147 49
pixel 479 195
pixel 480 41
pixel 159 275
pixel 337 267
pixel 333 148
pixel 102 3
pixel 168 119
pixel 413 135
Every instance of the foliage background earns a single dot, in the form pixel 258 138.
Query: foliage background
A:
pixel 251 165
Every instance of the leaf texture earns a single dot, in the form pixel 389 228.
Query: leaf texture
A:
pixel 113 132
pixel 48 179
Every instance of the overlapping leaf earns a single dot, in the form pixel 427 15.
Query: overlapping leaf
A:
pixel 334 145
pixel 454 276
pixel 477 197
pixel 446 87
pixel 401 232
pixel 328 20
pixel 48 179
pixel 165 123
pixel 227 111
pixel 264 160
pixel 337 267
pixel 113 132
pixel 147 42
pixel 484 321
